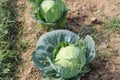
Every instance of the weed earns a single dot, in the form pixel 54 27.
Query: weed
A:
pixel 113 23
pixel 9 33
pixel 101 12
pixel 88 30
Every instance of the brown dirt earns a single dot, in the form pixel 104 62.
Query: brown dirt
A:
pixel 27 69
pixel 82 14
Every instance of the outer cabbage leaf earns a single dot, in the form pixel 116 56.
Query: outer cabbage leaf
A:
pixel 55 37
pixel 36 2
pixel 90 48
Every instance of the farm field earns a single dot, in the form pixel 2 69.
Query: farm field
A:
pixel 98 18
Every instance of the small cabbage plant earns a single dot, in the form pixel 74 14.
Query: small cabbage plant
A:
pixel 63 55
pixel 49 12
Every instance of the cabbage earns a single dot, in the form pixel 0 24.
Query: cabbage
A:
pixel 63 55
pixel 50 12
pixel 71 59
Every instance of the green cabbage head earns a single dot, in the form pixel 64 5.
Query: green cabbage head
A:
pixel 50 12
pixel 63 55
pixel 71 59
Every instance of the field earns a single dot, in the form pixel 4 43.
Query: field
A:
pixel 19 35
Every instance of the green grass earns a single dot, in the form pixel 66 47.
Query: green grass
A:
pixel 9 33
pixel 113 23
pixel 88 30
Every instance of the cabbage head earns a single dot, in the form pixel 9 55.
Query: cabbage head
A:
pixel 71 60
pixel 63 55
pixel 50 12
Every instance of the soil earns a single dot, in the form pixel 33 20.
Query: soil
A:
pixel 82 13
